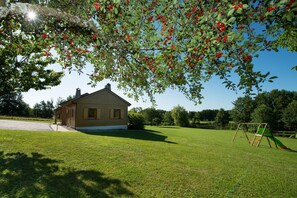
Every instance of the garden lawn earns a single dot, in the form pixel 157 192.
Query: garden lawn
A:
pixel 29 119
pixel 158 162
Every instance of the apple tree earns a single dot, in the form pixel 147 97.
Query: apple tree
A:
pixel 23 61
pixel 148 46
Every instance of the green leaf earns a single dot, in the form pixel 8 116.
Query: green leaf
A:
pixel 190 49
pixel 294 68
pixel 116 11
pixel 289 17
pixel 219 17
pixel 231 20
pixel 273 77
pixel 231 11
pixel 245 6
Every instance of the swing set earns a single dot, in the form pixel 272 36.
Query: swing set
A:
pixel 260 130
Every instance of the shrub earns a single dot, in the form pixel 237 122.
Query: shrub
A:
pixel 136 121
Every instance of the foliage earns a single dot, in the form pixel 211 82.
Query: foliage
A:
pixel 136 110
pixel 44 109
pixel 168 120
pixel 289 116
pixel 136 121
pixel 191 114
pixel 157 121
pixel 264 114
pixel 23 60
pixel 152 116
pixel 148 46
pixel 13 105
pixel 194 119
pixel 277 100
pixel 180 116
pixel 265 107
pixel 242 110
pixel 208 114
pixel 222 118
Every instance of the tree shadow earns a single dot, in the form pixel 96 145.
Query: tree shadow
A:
pixel 149 135
pixel 22 175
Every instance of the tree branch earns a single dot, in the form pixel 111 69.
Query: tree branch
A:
pixel 21 9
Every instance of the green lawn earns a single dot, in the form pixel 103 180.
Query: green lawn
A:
pixel 29 119
pixel 159 162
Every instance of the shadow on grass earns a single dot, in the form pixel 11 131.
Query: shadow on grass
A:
pixel 148 135
pixel 37 176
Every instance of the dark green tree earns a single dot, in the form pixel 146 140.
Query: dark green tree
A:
pixel 222 118
pixel 13 105
pixel 195 120
pixel 208 114
pixel 168 120
pixel 277 100
pixel 44 109
pixel 151 114
pixel 242 110
pixel 264 114
pixel 180 116
pixel 289 116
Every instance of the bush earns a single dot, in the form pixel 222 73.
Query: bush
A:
pixel 136 121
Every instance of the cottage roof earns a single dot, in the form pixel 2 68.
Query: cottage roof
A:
pixel 74 100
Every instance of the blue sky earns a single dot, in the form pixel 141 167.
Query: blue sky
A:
pixel 215 94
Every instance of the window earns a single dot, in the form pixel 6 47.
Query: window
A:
pixel 117 113
pixel 92 113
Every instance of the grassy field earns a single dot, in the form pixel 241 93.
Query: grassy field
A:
pixel 158 162
pixel 30 119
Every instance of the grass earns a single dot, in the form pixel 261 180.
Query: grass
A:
pixel 30 119
pixel 157 162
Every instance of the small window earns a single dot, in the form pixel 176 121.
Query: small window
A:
pixel 92 113
pixel 117 113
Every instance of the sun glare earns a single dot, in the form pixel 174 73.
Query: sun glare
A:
pixel 31 15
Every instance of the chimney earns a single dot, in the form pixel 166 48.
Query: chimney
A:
pixel 108 86
pixel 78 93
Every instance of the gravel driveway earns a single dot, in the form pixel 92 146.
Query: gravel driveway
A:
pixel 24 125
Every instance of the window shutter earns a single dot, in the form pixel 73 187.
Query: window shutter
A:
pixel 111 113
pixel 98 114
pixel 85 113
pixel 122 114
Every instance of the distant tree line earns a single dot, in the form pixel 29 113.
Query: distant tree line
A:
pixel 13 105
pixel 278 108
pixel 178 116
